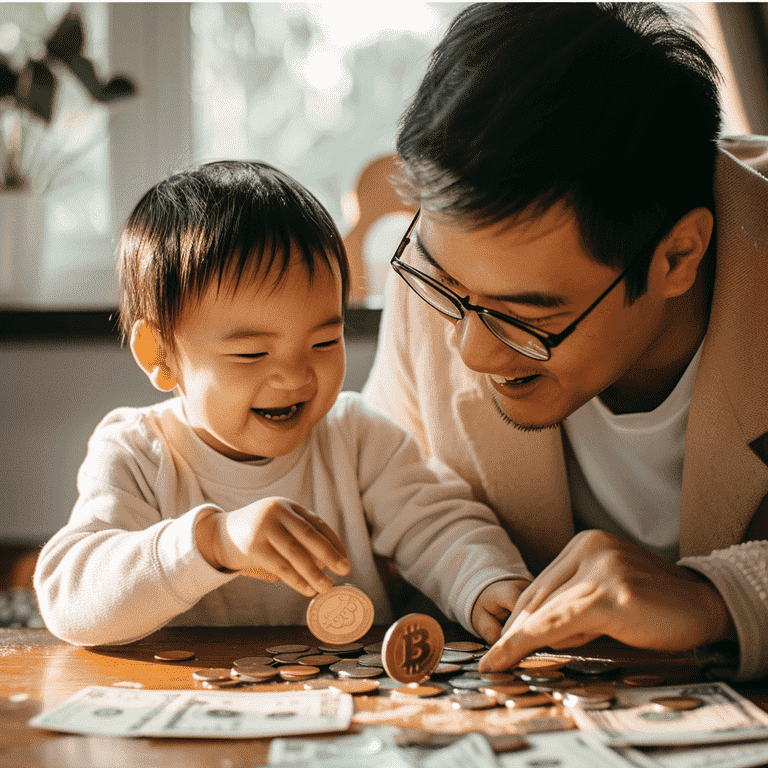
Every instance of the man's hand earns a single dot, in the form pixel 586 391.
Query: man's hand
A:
pixel 494 605
pixel 601 584
pixel 274 539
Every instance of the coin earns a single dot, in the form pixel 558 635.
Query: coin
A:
pixel 220 684
pixel 446 669
pixel 354 686
pixel 297 672
pixel 342 649
pixel 473 667
pixel 360 672
pixel 289 658
pixel 373 648
pixel 418 691
pixel 505 689
pixel 529 700
pixel 465 683
pixel 276 649
pixel 321 660
pixel 644 681
pixel 250 661
pixel 540 675
pixel 211 674
pixel 584 699
pixel 174 655
pixel 592 666
pixel 255 673
pixel 369 660
pixel 473 701
pixel 344 664
pixel 412 648
pixel 541 662
pixel 340 615
pixel 676 703
pixel 499 677
pixel 464 646
pixel 456 657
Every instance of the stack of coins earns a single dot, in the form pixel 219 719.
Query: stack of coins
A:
pixel 594 697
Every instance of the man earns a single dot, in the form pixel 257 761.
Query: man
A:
pixel 578 324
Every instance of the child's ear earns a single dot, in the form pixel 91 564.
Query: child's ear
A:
pixel 149 354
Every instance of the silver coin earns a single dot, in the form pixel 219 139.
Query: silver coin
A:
pixel 473 667
pixel 467 683
pixel 592 666
pixel 344 665
pixel 369 660
pixel 358 672
pixel 570 699
pixel 296 648
pixel 473 701
pixel 456 657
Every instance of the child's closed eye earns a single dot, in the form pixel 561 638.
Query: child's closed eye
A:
pixel 327 344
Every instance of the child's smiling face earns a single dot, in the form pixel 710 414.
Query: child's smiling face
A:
pixel 257 369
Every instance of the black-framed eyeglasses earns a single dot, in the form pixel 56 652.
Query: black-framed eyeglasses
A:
pixel 520 336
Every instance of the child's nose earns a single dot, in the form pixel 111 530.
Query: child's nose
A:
pixel 291 375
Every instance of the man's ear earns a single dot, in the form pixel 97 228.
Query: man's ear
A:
pixel 683 249
pixel 149 354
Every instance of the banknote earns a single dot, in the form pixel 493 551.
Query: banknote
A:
pixel 720 715
pixel 106 711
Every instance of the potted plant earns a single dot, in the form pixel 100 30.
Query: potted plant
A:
pixel 30 162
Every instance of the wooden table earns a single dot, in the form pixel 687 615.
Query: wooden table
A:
pixel 38 670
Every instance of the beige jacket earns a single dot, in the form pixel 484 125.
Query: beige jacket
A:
pixel 419 379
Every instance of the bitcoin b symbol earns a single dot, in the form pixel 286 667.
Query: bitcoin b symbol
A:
pixel 416 649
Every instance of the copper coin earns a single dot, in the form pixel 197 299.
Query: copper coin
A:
pixel 250 661
pixel 446 669
pixel 529 700
pixel 289 658
pixel 419 691
pixel 342 649
pixel 499 677
pixel 541 662
pixel 254 673
pixel 211 674
pixel 540 675
pixel 464 646
pixel 412 648
pixel 354 686
pixel 677 703
pixel 297 672
pixel 340 615
pixel 473 701
pixel 644 681
pixel 373 648
pixel 277 649
pixel 174 655
pixel 320 660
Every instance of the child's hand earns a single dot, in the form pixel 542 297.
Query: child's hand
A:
pixel 276 539
pixel 493 607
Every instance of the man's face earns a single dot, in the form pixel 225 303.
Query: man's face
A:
pixel 258 369
pixel 540 272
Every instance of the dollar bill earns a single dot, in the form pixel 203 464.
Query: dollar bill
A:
pixel 633 720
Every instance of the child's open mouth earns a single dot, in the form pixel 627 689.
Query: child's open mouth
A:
pixel 279 414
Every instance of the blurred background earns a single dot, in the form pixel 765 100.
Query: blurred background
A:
pixel 315 89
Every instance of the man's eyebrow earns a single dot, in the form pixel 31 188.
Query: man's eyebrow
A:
pixel 254 333
pixel 525 298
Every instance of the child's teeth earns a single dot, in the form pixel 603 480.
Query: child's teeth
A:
pixel 281 417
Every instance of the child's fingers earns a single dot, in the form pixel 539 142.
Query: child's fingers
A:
pixel 284 569
pixel 261 574
pixel 319 539
pixel 292 546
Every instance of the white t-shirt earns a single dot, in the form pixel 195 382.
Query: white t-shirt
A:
pixel 626 470
pixel 127 562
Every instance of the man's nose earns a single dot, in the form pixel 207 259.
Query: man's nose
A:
pixel 478 348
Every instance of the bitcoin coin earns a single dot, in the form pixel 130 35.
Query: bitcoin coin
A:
pixel 412 648
pixel 340 615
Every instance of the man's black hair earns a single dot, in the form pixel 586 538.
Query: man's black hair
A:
pixel 610 108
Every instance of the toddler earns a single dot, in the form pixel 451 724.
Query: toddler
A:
pixel 257 485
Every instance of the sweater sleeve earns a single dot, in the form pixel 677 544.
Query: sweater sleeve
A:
pixel 121 568
pixel 740 574
pixel 423 516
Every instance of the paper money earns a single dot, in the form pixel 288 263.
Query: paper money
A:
pixel 724 716
pixel 104 711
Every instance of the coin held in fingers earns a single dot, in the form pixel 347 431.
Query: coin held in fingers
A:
pixel 340 615
pixel 412 648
